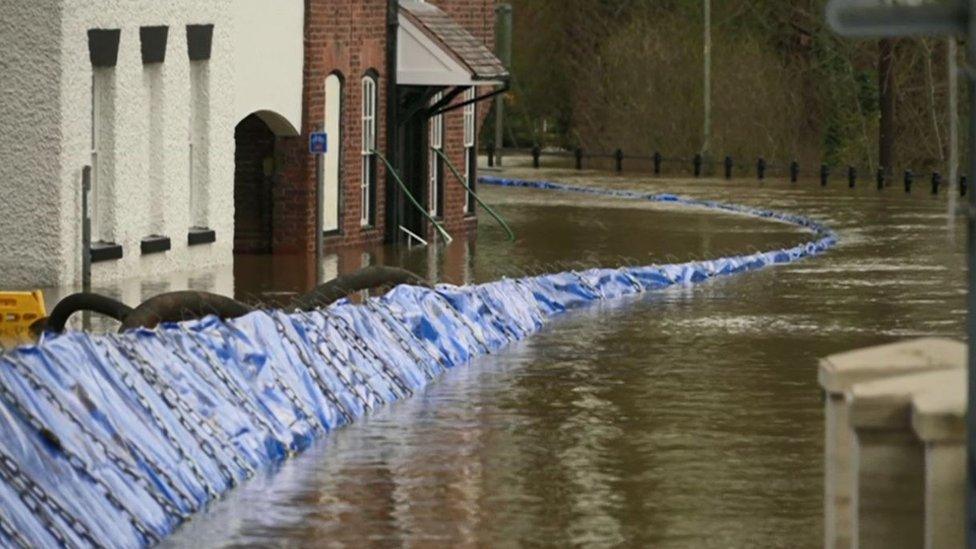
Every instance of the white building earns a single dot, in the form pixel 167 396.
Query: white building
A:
pixel 148 93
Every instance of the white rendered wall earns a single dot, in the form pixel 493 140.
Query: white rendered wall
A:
pixel 30 131
pixel 45 129
pixel 269 61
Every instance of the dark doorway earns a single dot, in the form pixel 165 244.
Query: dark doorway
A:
pixel 412 145
pixel 254 166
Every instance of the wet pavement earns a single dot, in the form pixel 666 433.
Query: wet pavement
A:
pixel 689 417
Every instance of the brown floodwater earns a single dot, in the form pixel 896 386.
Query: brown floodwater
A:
pixel 687 417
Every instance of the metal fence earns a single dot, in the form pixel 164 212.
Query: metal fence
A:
pixel 730 167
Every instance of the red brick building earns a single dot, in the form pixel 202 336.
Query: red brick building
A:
pixel 395 77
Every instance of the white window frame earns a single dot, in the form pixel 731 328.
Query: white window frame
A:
pixel 436 142
pixel 470 125
pixel 369 145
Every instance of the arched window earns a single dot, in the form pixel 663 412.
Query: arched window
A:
pixel 470 148
pixel 368 181
pixel 435 201
pixel 331 193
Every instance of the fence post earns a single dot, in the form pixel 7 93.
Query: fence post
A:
pixel 880 178
pixel 936 182
pixel 962 185
pixel 536 153
pixel 909 178
pixel 761 168
pixel 618 156
pixel 728 167
pixel 697 164
pixel 491 154
pixel 851 177
pixel 657 163
pixel 579 158
pixel 794 171
pixel 824 174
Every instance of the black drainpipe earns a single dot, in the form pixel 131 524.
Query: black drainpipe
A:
pixel 394 202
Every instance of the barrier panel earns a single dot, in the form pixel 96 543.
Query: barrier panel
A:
pixel 115 440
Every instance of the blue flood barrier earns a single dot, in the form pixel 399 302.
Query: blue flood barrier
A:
pixel 115 440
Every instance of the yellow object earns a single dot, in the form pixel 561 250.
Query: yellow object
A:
pixel 18 310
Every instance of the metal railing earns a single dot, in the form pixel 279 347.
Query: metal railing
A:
pixel 699 166
pixel 403 187
pixel 491 212
pixel 411 236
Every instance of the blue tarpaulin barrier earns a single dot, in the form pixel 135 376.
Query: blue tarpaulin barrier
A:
pixel 115 440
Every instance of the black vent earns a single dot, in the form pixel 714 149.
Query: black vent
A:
pixel 103 47
pixel 199 41
pixel 153 44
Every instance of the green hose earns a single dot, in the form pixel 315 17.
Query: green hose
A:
pixel 389 167
pixel 454 170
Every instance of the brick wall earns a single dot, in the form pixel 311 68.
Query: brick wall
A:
pixel 478 17
pixel 348 37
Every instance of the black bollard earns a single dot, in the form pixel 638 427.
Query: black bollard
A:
pixel 851 177
pixel 962 185
pixel 579 158
pixel 536 153
pixel 657 163
pixel 824 174
pixel 880 178
pixel 618 156
pixel 696 163
pixel 761 168
pixel 909 178
pixel 491 154
pixel 728 167
pixel 794 171
pixel 936 182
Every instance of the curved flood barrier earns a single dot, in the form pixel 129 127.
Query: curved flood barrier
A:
pixel 114 440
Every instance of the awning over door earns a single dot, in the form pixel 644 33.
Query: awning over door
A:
pixel 433 50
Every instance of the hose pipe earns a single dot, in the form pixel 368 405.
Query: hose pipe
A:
pixel 181 306
pixel 96 303
pixel 375 276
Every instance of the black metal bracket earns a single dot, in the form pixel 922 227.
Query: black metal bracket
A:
pixel 499 91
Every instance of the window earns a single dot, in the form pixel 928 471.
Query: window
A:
pixel 470 148
pixel 435 201
pixel 368 182
pixel 330 199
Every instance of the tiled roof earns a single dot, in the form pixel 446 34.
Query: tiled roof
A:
pixel 457 41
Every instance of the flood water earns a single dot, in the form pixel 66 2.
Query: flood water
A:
pixel 689 417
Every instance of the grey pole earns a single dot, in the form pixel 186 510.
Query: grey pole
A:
pixel 971 260
pixel 503 47
pixel 707 83
pixel 86 238
pixel 319 222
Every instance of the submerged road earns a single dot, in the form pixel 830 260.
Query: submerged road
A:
pixel 685 417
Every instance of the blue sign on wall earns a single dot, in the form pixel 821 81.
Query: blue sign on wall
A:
pixel 318 143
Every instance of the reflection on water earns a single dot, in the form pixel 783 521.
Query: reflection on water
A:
pixel 690 417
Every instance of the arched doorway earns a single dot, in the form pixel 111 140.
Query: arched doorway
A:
pixel 254 167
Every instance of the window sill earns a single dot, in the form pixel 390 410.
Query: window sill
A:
pixel 201 235
pixel 155 244
pixel 105 251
